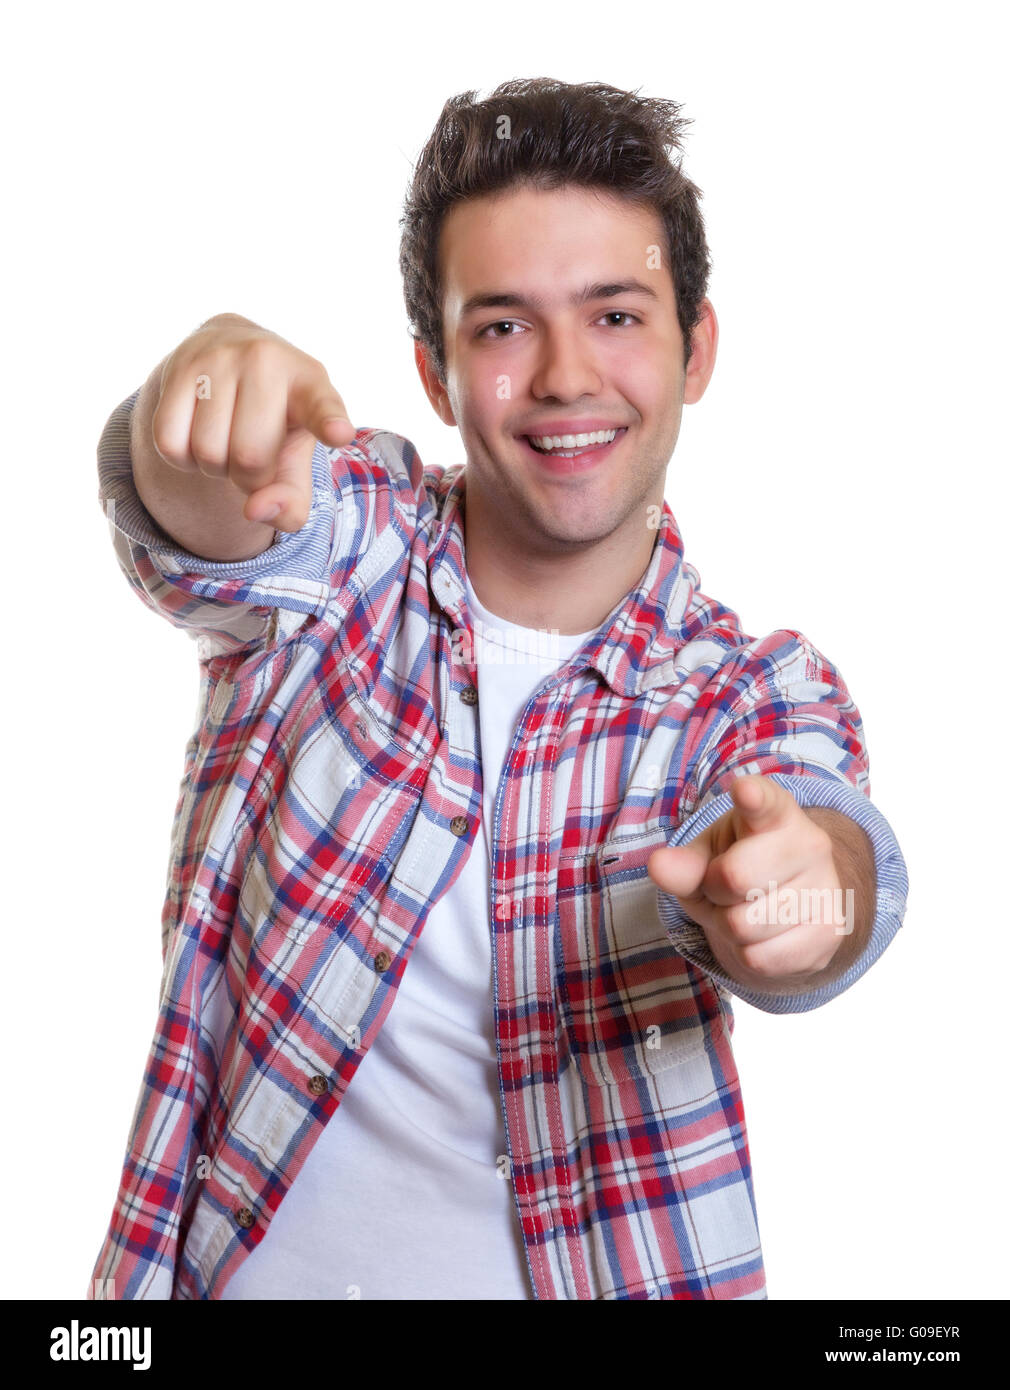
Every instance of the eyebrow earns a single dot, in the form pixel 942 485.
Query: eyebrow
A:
pixel 586 295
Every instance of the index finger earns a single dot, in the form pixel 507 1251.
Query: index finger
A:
pixel 318 408
pixel 759 805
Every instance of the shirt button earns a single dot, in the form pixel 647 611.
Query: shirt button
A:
pixel 244 1217
pixel 318 1085
pixel 382 961
pixel 458 825
pixel 468 695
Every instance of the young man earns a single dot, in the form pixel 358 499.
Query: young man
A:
pixel 513 882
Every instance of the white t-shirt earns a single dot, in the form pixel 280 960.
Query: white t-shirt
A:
pixel 405 1193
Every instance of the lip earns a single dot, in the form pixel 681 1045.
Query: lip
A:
pixel 591 458
pixel 587 424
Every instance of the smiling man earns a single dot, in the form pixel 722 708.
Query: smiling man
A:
pixel 514 886
pixel 592 347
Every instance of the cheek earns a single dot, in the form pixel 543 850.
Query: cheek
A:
pixel 485 394
pixel 645 379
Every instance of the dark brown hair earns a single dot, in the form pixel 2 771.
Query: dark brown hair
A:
pixel 558 133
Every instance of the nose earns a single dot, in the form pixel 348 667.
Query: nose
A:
pixel 565 367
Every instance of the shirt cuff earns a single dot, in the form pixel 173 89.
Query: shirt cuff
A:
pixel 892 891
pixel 303 554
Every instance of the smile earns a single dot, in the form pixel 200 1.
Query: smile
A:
pixel 570 444
pixel 567 453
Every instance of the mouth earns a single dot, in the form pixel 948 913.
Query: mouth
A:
pixel 567 454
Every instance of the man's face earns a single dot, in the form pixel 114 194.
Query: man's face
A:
pixel 560 319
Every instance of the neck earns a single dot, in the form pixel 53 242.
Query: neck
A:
pixel 570 592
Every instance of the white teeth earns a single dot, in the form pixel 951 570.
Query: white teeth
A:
pixel 547 442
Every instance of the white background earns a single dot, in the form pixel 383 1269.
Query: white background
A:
pixel 843 475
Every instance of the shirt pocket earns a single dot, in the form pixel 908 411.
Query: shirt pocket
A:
pixel 631 1006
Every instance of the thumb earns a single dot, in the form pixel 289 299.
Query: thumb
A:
pixel 315 405
pixel 334 430
pixel 680 870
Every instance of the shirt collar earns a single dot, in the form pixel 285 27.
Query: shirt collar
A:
pixel 634 649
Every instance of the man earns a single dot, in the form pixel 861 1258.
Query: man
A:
pixel 514 882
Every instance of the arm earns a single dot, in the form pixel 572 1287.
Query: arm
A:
pixel 785 895
pixel 778 709
pixel 223 430
pixel 174 494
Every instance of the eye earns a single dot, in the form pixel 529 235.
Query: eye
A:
pixel 620 314
pixel 502 323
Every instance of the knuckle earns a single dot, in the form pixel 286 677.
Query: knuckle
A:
pixel 167 448
pixel 247 460
pixel 263 355
pixel 734 877
pixel 739 921
pixel 189 360
pixel 760 959
pixel 208 459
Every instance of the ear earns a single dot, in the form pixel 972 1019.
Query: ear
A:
pixel 704 344
pixel 434 389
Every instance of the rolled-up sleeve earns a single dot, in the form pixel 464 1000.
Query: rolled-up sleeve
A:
pixel 782 710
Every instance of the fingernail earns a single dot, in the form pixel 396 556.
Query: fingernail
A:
pixel 271 512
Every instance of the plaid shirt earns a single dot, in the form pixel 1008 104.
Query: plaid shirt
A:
pixel 331 793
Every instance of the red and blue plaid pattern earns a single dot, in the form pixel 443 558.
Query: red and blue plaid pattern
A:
pixel 331 792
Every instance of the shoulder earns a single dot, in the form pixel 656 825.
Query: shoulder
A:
pixel 384 468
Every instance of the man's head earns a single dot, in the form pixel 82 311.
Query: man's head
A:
pixel 555 268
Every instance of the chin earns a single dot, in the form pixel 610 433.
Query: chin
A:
pixel 589 531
